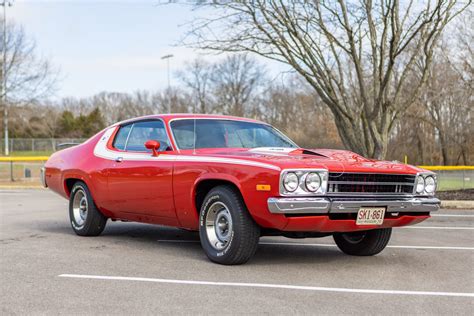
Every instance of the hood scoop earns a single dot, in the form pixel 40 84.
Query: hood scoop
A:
pixel 302 151
pixel 282 151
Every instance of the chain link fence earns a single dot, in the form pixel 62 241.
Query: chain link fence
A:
pixel 33 145
pixel 455 179
pixel 19 171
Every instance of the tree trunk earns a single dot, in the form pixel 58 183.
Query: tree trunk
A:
pixel 361 135
pixel 444 149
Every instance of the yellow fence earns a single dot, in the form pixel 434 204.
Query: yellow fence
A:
pixel 28 169
pixel 19 159
pixel 44 158
pixel 447 168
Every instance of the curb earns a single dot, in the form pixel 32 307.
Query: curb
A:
pixel 20 187
pixel 458 204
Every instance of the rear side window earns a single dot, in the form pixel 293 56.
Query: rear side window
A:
pixel 133 137
pixel 121 138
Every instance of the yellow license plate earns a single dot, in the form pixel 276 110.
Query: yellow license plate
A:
pixel 370 216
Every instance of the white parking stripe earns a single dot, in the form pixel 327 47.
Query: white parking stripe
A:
pixel 395 246
pixel 267 285
pixel 437 227
pixel 452 215
pixel 331 245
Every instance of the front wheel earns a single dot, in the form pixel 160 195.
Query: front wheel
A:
pixel 228 233
pixel 86 219
pixel 363 243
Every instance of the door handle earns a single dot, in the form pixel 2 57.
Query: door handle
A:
pixel 119 159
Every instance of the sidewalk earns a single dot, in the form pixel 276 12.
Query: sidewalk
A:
pixel 466 204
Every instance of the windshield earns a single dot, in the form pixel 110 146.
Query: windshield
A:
pixel 212 133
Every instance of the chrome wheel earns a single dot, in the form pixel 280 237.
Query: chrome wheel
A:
pixel 218 225
pixel 80 207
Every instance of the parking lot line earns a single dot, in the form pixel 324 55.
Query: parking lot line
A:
pixel 452 215
pixel 438 227
pixel 331 245
pixel 267 285
pixel 399 247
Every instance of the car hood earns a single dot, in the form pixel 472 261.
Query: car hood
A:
pixel 330 159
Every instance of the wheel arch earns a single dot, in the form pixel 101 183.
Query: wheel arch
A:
pixel 70 179
pixel 204 185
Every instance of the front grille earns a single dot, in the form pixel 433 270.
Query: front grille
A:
pixel 370 183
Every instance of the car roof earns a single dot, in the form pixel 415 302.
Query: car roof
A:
pixel 173 116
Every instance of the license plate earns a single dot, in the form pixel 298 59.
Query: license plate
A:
pixel 370 216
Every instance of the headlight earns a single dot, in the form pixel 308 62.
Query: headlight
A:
pixel 290 182
pixel 312 181
pixel 430 185
pixel 420 184
pixel 425 183
pixel 303 182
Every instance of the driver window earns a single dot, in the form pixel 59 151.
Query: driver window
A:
pixel 141 132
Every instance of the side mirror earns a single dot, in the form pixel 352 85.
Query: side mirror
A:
pixel 154 146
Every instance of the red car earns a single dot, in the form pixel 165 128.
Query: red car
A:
pixel 234 180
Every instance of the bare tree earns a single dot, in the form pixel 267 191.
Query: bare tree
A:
pixel 235 80
pixel 25 77
pixel 292 103
pixel 29 76
pixel 356 55
pixel 448 108
pixel 178 99
pixel 197 78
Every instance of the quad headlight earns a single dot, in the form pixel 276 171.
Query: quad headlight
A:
pixel 430 185
pixel 312 181
pixel 303 181
pixel 290 181
pixel 425 184
pixel 420 184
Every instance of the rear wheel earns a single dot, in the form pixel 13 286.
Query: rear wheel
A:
pixel 363 243
pixel 228 233
pixel 86 220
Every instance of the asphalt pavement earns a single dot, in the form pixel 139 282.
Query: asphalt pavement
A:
pixel 144 269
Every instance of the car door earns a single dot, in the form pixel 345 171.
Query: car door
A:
pixel 138 182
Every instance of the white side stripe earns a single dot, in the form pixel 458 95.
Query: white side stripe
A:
pixel 267 285
pixel 102 151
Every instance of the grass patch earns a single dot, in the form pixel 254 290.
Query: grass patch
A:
pixel 447 184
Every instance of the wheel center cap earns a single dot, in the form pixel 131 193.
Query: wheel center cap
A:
pixel 222 226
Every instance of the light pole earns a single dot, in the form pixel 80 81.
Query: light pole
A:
pixel 168 57
pixel 5 3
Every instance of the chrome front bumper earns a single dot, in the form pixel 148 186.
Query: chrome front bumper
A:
pixel 43 177
pixel 324 205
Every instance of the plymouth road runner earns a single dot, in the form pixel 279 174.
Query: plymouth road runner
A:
pixel 234 180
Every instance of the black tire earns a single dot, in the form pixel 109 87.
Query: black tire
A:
pixel 242 233
pixel 88 223
pixel 364 243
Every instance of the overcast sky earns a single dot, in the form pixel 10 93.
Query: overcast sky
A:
pixel 108 45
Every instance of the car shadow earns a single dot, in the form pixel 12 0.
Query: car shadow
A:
pixel 187 242
pixel 189 245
